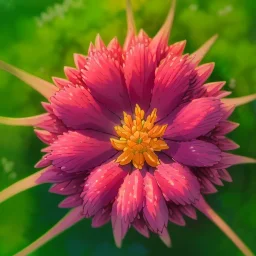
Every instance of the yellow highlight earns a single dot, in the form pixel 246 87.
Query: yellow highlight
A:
pixel 139 139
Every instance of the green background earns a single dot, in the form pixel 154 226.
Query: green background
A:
pixel 41 37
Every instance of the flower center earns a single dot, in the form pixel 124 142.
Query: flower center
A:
pixel 139 139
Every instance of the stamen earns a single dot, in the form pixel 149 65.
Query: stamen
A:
pixel 139 139
pixel 20 186
pixel 68 221
pixel 239 100
pixel 45 88
pixel 198 55
pixel 215 218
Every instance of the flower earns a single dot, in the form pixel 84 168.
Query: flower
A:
pixel 135 136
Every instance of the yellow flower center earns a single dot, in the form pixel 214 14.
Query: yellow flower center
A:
pixel 139 139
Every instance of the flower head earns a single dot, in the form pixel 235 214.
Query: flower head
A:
pixel 135 136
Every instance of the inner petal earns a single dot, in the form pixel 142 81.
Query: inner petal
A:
pixel 139 138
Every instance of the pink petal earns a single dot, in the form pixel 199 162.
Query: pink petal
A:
pixel 165 237
pixel 55 175
pixel 45 161
pixel 102 217
pixel 61 83
pixel 140 225
pixel 211 174
pixel 80 61
pixel 69 187
pixel 71 201
pixel 175 215
pixel 155 211
pixel 129 201
pixel 116 50
pixel 139 72
pixel 73 75
pixel 188 210
pixel 45 136
pixel 214 88
pixel 78 109
pixel 177 48
pixel 102 186
pixel 47 107
pixel 104 78
pixel 224 175
pixel 127 205
pixel 224 143
pixel 225 127
pixel 193 119
pixel 206 186
pixel 171 83
pixel 177 182
pixel 194 153
pixel 80 151
pixel 200 75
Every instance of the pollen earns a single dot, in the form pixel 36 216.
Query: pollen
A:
pixel 139 139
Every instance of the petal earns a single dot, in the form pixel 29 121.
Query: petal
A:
pixel 140 225
pixel 171 83
pixel 139 72
pixel 177 48
pixel 189 121
pixel 71 201
pixel 188 210
pixel 61 83
pixel 102 186
pixel 177 182
pixel 104 78
pixel 224 143
pixel 224 175
pixel 73 75
pixel 240 100
pixel 45 136
pixel 127 205
pixel 80 61
pixel 116 50
pixel 198 78
pixel 214 88
pixel 69 187
pixel 45 88
pixel 80 151
pixel 194 153
pixel 225 127
pixel 101 217
pixel 175 215
pixel 165 237
pixel 155 211
pixel 206 186
pixel 78 109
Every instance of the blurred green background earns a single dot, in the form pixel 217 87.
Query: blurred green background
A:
pixel 41 37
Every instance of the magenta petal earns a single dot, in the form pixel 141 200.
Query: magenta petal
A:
pixel 175 215
pixel 224 143
pixel 139 72
pixel 188 210
pixel 78 109
pixel 224 175
pixel 102 186
pixel 102 217
pixel 129 201
pixel 225 127
pixel 45 136
pixel 177 182
pixel 206 186
pixel 80 151
pixel 155 211
pixel 194 119
pixel 71 201
pixel 140 225
pixel 171 83
pixel 105 80
pixel 69 187
pixel 194 153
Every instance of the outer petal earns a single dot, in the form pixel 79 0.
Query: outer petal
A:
pixel 105 80
pixel 177 182
pixel 127 204
pixel 171 83
pixel 78 109
pixel 194 153
pixel 102 217
pixel 139 72
pixel 140 225
pixel 155 211
pixel 175 215
pixel 80 151
pixel 194 119
pixel 102 186
pixel 71 201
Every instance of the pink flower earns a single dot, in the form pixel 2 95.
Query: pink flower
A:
pixel 135 136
